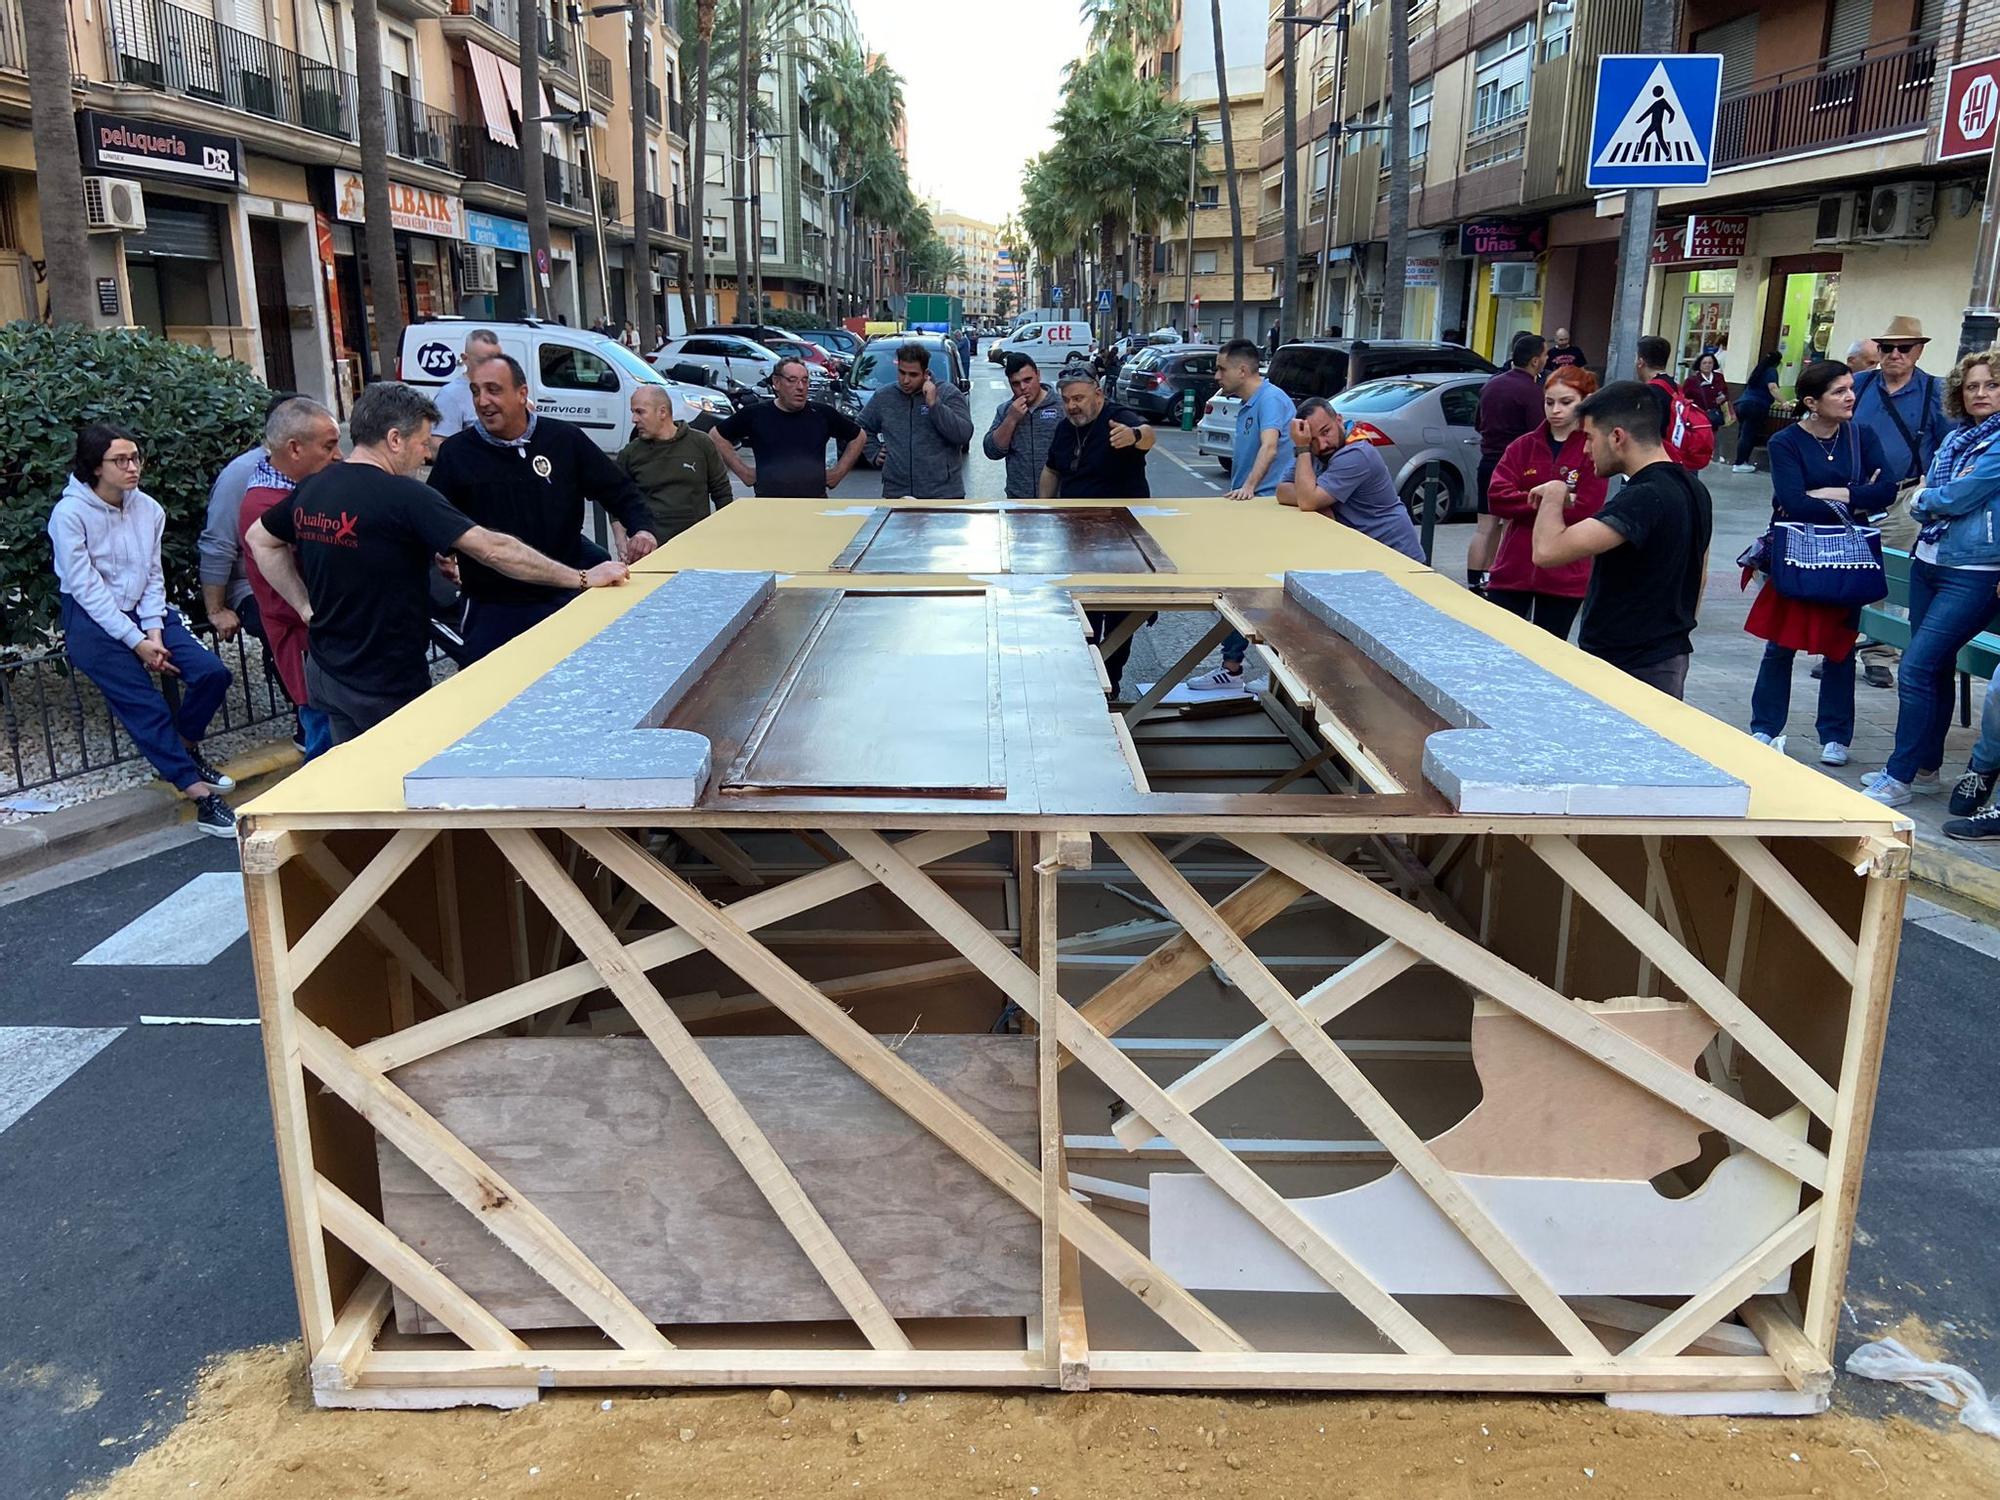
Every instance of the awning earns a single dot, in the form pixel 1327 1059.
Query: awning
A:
pixel 498 85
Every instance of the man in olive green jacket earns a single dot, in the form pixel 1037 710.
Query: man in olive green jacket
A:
pixel 676 468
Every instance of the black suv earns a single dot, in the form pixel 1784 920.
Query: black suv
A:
pixel 1326 367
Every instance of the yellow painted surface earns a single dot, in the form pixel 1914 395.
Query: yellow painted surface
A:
pixel 1215 544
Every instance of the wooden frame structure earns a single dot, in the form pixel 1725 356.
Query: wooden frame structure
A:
pixel 1337 950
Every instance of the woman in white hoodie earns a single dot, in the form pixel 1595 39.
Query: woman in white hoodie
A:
pixel 117 628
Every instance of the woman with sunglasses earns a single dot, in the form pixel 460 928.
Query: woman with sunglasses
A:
pixel 117 628
pixel 1954 577
pixel 1826 468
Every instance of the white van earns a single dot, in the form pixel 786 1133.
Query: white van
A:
pixel 1049 345
pixel 582 377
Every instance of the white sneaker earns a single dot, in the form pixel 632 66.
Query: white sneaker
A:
pixel 1760 737
pixel 1743 468
pixel 1833 753
pixel 1884 788
pixel 1221 680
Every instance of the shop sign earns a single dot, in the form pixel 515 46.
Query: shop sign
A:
pixel 1501 239
pixel 413 210
pixel 1420 272
pixel 1704 239
pixel 501 234
pixel 120 146
pixel 1971 109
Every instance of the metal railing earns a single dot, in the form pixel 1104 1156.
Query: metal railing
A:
pixel 607 198
pixel 163 46
pixel 1503 140
pixel 417 132
pixel 555 45
pixel 55 724
pixel 596 71
pixel 677 118
pixel 13 45
pixel 653 102
pixel 488 161
pixel 1830 102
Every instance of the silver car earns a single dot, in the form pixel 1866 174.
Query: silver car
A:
pixel 1417 421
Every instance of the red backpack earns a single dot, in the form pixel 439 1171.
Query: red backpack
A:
pixel 1688 436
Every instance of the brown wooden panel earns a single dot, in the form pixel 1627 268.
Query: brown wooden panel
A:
pixel 600 1136
pixel 1084 539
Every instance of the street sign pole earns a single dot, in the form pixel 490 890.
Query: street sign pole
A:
pixel 1657 26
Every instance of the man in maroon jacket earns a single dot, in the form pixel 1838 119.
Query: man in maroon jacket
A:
pixel 1509 405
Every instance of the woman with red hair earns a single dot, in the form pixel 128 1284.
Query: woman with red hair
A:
pixel 1553 453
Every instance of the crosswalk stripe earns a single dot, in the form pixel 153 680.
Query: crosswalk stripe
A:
pixel 189 928
pixel 34 1060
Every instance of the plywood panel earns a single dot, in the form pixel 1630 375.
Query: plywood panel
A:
pixel 599 1135
pixel 961 540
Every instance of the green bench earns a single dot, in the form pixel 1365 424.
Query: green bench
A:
pixel 1889 623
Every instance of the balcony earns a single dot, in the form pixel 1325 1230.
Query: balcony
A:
pixel 488 161
pixel 555 45
pixel 13 47
pixel 1503 140
pixel 607 198
pixel 162 46
pixel 1883 91
pixel 667 218
pixel 653 101
pixel 416 132
pixel 597 72
pixel 677 119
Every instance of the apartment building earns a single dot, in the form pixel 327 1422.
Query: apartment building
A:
pixel 223 171
pixel 977 245
pixel 1828 213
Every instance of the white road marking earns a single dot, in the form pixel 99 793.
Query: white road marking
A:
pixel 189 928
pixel 1172 458
pixel 34 1061
pixel 1950 925
pixel 199 1021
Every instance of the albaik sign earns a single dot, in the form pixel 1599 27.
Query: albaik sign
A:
pixel 413 210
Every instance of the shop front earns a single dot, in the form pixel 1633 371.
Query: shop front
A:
pixel 1801 302
pixel 1698 260
pixel 505 297
pixel 1423 276
pixel 1507 281
pixel 429 225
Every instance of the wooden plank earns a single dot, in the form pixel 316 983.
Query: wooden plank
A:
pixel 401 1267
pixel 451 935
pixel 1183 664
pixel 331 873
pixel 713 1097
pixel 481 1191
pixel 800 894
pixel 1750 1030
pixel 1731 1290
pixel 290 1120
pixel 1353 1089
pixel 1243 1148
pixel 820 1018
pixel 1637 1317
pixel 1263 1042
pixel 1043 887
pixel 367 888
pixel 1490 975
pixel 1104 1189
pixel 1122 728
pixel 1771 1323
pixel 1117 1072
pixel 1784 890
pixel 1261 899
pixel 266 851
pixel 1122 632
pixel 336 1365
pixel 722 850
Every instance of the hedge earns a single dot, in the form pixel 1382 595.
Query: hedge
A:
pixel 193 410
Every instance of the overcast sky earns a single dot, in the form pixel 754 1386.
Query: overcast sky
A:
pixel 980 83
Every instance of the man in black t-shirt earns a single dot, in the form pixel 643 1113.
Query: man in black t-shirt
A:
pixel 1099 453
pixel 1563 355
pixel 1650 541
pixel 789 436
pixel 365 533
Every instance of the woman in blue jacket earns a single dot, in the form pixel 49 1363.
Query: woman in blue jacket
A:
pixel 1825 468
pixel 1954 574
pixel 1753 409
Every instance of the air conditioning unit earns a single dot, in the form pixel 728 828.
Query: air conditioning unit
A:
pixel 1900 211
pixel 114 203
pixel 1516 278
pixel 480 270
pixel 1838 216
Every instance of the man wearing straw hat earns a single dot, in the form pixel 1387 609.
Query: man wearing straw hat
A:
pixel 1904 407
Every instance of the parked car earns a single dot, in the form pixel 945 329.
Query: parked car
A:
pixel 579 376
pixel 1326 367
pixel 1050 345
pixel 875 367
pixel 738 359
pixel 778 341
pixel 1160 379
pixel 842 343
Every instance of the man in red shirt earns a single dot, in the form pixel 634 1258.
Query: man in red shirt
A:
pixel 300 438
pixel 1509 405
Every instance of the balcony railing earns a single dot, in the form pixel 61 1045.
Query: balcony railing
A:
pixel 1831 102
pixel 665 216
pixel 165 47
pixel 13 47
pixel 555 44
pixel 486 160
pixel 653 102
pixel 596 71
pixel 1503 140
pixel 678 118
pixel 607 198
pixel 416 132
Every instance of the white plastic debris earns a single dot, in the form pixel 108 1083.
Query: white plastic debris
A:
pixel 1886 1359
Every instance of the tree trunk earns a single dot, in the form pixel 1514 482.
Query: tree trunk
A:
pixel 745 252
pixel 58 165
pixel 534 185
pixel 1288 284
pixel 640 274
pixel 1229 169
pixel 698 170
pixel 378 234
pixel 1395 270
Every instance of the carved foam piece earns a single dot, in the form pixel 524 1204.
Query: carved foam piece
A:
pixel 1525 741
pixel 1588 1239
pixel 585 733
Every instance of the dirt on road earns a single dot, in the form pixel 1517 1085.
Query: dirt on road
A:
pixel 252 1431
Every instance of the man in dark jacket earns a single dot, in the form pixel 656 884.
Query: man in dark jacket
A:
pixel 1023 427
pixel 925 429
pixel 676 468
pixel 528 475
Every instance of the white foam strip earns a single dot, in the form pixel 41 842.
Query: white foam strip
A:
pixel 199 1021
pixel 188 929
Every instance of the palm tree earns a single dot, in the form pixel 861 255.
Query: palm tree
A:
pixel 1229 168
pixel 744 149
pixel 65 234
pixel 860 105
pixel 704 38
pixel 1127 23
pixel 533 184
pixel 1399 170
pixel 640 275
pixel 378 234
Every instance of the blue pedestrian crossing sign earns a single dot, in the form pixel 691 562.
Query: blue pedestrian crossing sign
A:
pixel 1654 123
pixel 1104 299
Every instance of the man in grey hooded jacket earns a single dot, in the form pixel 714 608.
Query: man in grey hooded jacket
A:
pixel 925 429
pixel 1023 427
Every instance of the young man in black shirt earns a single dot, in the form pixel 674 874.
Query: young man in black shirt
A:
pixel 789 436
pixel 1650 541
pixel 527 475
pixel 365 533
pixel 1099 453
